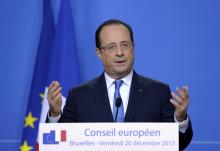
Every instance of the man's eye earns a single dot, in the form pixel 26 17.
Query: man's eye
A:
pixel 125 45
pixel 111 47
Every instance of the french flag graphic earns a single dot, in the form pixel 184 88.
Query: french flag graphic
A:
pixel 60 136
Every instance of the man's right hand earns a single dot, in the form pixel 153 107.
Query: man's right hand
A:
pixel 54 98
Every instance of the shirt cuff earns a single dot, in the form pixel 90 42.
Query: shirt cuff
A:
pixel 182 125
pixel 53 119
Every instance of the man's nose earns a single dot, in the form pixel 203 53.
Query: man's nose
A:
pixel 119 51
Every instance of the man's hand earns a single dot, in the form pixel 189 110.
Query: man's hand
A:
pixel 181 102
pixel 54 99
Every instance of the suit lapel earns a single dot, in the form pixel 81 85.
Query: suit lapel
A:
pixel 136 93
pixel 102 101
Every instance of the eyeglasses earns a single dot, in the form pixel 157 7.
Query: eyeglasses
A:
pixel 125 46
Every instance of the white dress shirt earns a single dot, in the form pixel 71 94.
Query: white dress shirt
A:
pixel 124 89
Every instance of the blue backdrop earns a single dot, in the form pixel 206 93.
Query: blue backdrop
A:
pixel 177 42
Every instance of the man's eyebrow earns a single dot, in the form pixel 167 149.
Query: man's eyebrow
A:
pixel 112 43
pixel 125 41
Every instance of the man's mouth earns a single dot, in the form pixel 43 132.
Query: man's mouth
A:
pixel 120 62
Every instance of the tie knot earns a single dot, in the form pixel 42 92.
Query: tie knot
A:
pixel 118 84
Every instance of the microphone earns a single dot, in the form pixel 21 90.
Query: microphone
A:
pixel 117 104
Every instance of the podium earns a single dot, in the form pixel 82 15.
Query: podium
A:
pixel 109 137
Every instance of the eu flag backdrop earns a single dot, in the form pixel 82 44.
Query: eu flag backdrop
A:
pixel 56 60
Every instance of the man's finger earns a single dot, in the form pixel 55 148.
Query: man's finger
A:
pixel 53 87
pixel 186 89
pixel 58 97
pixel 175 103
pixel 51 84
pixel 181 93
pixel 56 92
pixel 56 101
pixel 52 91
pixel 177 98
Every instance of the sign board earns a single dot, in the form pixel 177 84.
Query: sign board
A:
pixel 109 137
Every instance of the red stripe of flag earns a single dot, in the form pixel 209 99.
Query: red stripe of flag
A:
pixel 63 136
pixel 37 147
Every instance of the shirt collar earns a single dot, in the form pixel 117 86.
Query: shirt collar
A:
pixel 127 79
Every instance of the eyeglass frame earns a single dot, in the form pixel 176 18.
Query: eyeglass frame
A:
pixel 113 46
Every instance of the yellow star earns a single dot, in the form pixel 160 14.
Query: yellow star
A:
pixel 42 98
pixel 29 120
pixel 25 147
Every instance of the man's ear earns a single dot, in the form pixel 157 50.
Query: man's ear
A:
pixel 98 52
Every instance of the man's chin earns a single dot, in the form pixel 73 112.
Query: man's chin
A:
pixel 122 72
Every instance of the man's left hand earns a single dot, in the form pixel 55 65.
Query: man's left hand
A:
pixel 181 101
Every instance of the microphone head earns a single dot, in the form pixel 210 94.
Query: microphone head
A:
pixel 118 102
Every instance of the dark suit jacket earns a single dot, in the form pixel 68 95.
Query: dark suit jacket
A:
pixel 149 101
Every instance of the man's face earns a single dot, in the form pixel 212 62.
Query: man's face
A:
pixel 117 51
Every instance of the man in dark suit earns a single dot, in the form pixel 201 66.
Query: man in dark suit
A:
pixel 135 99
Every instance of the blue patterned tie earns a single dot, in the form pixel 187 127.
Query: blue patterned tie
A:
pixel 120 116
